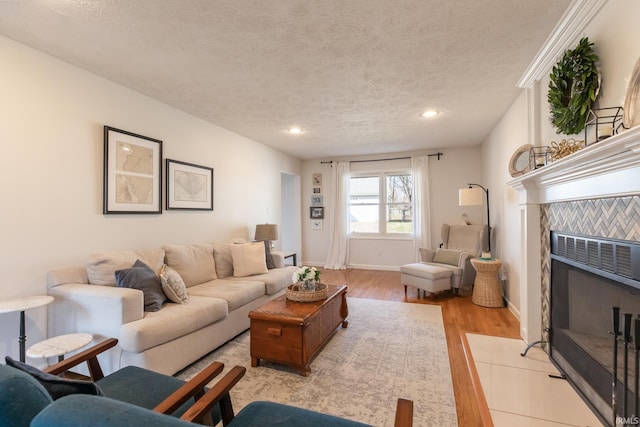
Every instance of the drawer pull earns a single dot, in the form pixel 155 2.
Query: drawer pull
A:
pixel 274 331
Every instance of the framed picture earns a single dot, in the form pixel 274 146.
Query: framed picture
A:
pixel 316 224
pixel 317 190
pixel 317 212
pixel 189 186
pixel 132 182
pixel 316 200
pixel 316 179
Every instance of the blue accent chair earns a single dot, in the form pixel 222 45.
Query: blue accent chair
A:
pixel 138 397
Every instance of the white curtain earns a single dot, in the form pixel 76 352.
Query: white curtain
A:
pixel 339 228
pixel 421 204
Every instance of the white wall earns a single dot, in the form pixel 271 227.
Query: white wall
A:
pixel 497 149
pixel 617 42
pixel 51 122
pixel 454 170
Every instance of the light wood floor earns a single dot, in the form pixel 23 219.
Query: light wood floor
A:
pixel 459 313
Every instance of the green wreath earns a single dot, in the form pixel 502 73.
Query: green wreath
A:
pixel 573 88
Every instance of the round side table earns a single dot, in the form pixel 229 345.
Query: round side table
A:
pixel 59 346
pixel 21 305
pixel 486 288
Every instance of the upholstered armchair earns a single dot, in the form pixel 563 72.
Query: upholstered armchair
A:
pixel 471 239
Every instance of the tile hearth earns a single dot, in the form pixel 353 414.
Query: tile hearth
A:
pixel 519 391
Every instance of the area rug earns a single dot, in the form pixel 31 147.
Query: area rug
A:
pixel 390 350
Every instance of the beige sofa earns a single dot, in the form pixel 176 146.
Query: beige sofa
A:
pixel 220 288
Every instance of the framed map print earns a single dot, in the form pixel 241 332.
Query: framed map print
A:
pixel 132 173
pixel 189 186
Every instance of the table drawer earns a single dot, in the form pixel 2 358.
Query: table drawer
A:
pixel 276 341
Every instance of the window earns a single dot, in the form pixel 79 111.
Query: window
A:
pixel 384 195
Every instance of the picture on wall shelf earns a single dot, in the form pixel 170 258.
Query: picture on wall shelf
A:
pixel 132 181
pixel 189 186
pixel 316 179
pixel 316 224
pixel 317 212
pixel 317 190
pixel 316 200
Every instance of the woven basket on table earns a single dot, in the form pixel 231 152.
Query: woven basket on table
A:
pixel 293 294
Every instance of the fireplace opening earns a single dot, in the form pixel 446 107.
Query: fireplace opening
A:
pixel 589 276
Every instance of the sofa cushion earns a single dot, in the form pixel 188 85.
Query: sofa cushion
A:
pixel 447 256
pixel 56 386
pixel 173 321
pixel 223 259
pixel 194 263
pixel 248 259
pixel 173 286
pixel 103 265
pixel 236 293
pixel 275 280
pixel 142 277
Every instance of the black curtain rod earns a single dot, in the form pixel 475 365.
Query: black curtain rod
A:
pixel 438 154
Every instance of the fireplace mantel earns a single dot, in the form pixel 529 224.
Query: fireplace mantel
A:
pixel 610 168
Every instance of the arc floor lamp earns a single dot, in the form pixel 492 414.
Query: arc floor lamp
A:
pixel 474 197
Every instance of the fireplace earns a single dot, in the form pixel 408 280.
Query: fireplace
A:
pixel 589 276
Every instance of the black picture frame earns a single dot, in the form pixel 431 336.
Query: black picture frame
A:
pixel 316 212
pixel 132 173
pixel 188 186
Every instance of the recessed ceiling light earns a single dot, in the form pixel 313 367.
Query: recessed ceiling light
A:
pixel 430 113
pixel 294 130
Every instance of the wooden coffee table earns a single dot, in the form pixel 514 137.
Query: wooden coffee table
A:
pixel 292 332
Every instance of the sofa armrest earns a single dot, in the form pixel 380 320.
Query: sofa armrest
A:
pixel 278 258
pixel 426 255
pixel 99 310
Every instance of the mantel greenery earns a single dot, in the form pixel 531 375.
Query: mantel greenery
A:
pixel 573 88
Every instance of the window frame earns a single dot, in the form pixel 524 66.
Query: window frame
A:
pixel 382 205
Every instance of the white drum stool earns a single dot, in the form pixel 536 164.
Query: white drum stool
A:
pixel 59 346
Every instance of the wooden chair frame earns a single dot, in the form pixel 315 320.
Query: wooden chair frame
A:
pixel 204 401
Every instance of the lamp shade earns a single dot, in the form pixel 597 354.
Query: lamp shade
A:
pixel 266 232
pixel 470 197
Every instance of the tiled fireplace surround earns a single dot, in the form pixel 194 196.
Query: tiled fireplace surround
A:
pixel 614 218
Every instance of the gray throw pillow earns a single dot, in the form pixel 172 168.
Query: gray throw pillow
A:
pixel 142 277
pixel 56 386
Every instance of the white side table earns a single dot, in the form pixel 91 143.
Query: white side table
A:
pixel 22 304
pixel 59 346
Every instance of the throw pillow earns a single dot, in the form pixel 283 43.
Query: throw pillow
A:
pixel 222 257
pixel 267 254
pixel 447 256
pixel 194 263
pixel 142 277
pixel 56 386
pixel 103 265
pixel 173 286
pixel 248 259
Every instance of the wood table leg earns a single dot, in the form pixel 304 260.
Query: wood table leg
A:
pixel 344 310
pixel 255 362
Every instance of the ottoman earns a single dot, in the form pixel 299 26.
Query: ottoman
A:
pixel 427 277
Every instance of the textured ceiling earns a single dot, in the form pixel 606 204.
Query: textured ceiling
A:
pixel 353 74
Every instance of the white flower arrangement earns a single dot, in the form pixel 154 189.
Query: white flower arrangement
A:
pixel 306 273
